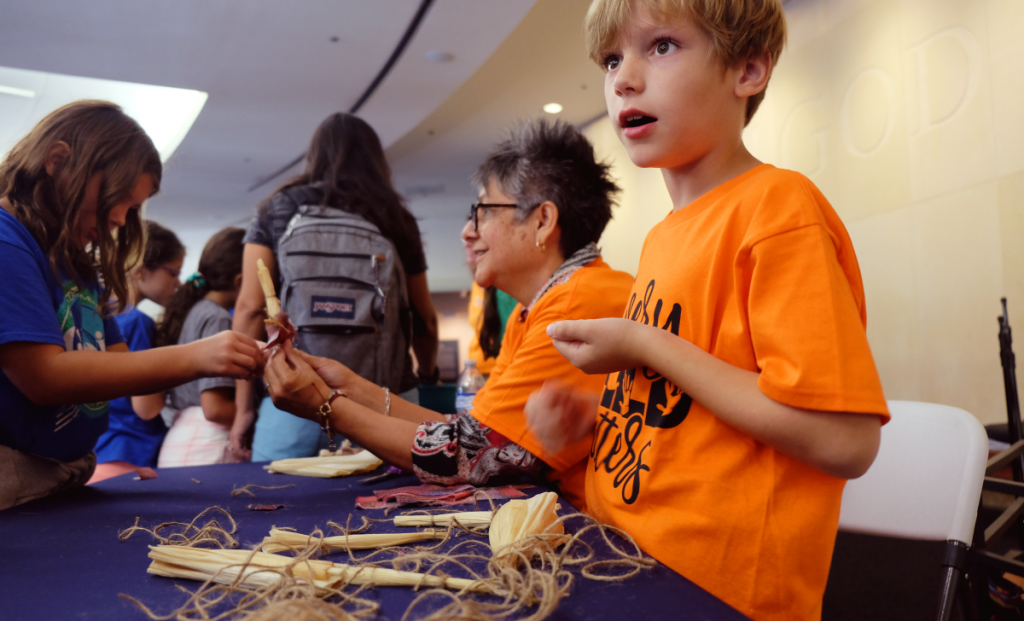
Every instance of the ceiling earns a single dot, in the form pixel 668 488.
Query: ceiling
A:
pixel 274 70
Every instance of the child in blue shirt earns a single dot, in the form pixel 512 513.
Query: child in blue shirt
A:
pixel 70 196
pixel 136 429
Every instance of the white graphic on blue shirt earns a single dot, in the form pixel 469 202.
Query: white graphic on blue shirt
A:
pixel 82 326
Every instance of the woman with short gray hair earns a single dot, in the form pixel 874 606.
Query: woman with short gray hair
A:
pixel 543 204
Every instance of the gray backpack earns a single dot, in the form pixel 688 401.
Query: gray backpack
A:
pixel 344 288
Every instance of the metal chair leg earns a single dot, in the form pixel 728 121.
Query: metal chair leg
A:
pixel 953 566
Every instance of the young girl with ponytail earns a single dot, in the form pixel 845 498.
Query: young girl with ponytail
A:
pixel 200 309
pixel 70 230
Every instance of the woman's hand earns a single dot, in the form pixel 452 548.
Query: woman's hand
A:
pixel 292 383
pixel 228 354
pixel 340 377
pixel 560 415
pixel 598 346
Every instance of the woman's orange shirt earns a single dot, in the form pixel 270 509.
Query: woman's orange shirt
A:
pixel 761 273
pixel 528 359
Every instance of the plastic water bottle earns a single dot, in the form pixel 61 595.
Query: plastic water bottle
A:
pixel 470 382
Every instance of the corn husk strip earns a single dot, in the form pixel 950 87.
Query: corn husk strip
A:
pixel 260 569
pixel 519 519
pixel 267 282
pixel 327 467
pixel 466 518
pixel 283 540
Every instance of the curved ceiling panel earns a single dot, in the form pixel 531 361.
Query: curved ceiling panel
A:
pixel 273 71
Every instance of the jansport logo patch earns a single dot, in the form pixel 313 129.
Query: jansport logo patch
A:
pixel 333 308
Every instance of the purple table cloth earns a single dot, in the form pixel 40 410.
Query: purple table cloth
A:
pixel 60 557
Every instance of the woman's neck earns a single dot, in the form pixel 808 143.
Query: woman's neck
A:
pixel 529 283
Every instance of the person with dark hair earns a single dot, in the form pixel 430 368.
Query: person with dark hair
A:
pixel 489 310
pixel 345 170
pixel 136 429
pixel 70 231
pixel 199 309
pixel 543 204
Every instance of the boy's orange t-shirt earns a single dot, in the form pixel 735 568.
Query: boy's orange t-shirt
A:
pixel 761 273
pixel 528 359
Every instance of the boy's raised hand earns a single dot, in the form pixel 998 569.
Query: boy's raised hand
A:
pixel 228 354
pixel 598 346
pixel 560 415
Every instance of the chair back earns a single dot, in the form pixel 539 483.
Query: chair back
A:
pixel 926 481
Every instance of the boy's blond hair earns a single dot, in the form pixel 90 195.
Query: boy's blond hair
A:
pixel 738 29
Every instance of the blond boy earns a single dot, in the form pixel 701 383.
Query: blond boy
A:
pixel 740 390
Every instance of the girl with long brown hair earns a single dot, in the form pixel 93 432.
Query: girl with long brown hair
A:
pixel 345 169
pixel 70 230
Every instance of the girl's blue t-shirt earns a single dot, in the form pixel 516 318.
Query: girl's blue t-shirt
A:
pixel 129 438
pixel 38 308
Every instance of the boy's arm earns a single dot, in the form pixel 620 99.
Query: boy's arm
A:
pixel 840 444
pixel 49 375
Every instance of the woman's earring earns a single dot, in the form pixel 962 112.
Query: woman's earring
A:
pixel 541 246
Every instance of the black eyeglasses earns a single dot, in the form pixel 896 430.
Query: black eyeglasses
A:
pixel 477 206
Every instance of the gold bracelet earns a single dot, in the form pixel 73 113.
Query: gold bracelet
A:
pixel 325 419
pixel 387 401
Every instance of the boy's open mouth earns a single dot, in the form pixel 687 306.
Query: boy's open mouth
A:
pixel 636 120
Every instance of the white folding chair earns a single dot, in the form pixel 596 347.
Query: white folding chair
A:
pixel 924 484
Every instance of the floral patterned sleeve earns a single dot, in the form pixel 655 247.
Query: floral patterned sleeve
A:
pixel 461 450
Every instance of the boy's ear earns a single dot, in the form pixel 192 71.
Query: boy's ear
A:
pixel 56 156
pixel 238 282
pixel 753 75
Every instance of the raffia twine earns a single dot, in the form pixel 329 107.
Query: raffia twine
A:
pixel 527 583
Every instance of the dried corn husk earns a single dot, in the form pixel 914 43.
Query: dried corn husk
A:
pixel 267 282
pixel 327 467
pixel 466 518
pixel 259 570
pixel 519 519
pixel 283 540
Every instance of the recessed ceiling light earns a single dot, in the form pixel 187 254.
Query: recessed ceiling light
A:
pixel 553 108
pixel 438 56
pixel 20 92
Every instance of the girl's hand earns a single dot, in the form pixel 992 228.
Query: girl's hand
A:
pixel 228 354
pixel 292 384
pixel 560 415
pixel 598 346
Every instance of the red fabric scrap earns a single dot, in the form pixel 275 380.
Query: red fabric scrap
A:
pixel 265 507
pixel 145 473
pixel 437 495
